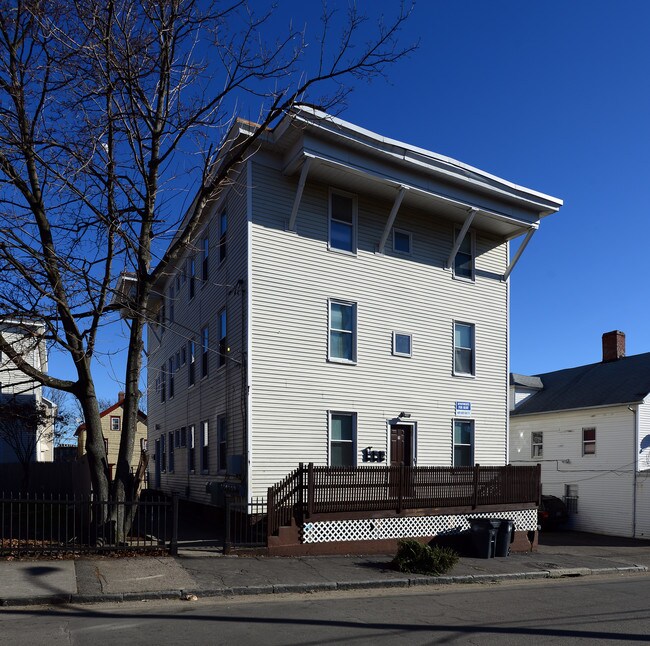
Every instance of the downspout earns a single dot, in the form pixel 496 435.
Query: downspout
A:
pixel 635 465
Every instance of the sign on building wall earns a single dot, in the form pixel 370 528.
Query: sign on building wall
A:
pixel 463 409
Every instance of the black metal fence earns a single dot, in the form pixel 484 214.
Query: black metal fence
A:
pixel 37 524
pixel 246 523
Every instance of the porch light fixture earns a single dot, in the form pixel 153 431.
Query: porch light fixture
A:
pixel 404 415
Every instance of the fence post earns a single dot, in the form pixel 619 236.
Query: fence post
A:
pixel 310 489
pixel 477 468
pixel 270 514
pixel 173 545
pixel 400 488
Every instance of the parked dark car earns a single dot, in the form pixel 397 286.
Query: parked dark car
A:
pixel 552 512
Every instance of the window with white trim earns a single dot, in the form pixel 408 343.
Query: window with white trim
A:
pixel 402 344
pixel 464 260
pixel 222 440
pixel 343 433
pixel 463 443
pixel 342 331
pixel 191 362
pixel 537 444
pixel 190 448
pixel 223 346
pixel 115 423
pixel 589 441
pixel 204 351
pixel 205 447
pixel 464 348
pixel 401 241
pixel 342 221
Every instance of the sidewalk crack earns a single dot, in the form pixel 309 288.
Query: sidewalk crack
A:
pixel 100 578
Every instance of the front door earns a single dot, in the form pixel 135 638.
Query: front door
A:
pixel 401 445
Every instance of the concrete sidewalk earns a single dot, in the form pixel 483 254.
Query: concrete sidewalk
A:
pixel 90 580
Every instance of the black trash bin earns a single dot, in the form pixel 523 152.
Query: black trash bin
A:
pixel 505 536
pixel 484 536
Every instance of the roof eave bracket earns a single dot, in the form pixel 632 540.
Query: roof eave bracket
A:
pixel 391 218
pixel 517 255
pixel 461 236
pixel 301 187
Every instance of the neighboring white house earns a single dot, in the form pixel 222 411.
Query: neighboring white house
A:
pixel 17 388
pixel 346 302
pixel 589 428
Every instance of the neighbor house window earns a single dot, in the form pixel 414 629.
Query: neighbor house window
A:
pixel 222 439
pixel 537 444
pixel 183 442
pixel 223 227
pixel 191 362
pixel 463 443
pixel 190 448
pixel 192 273
pixel 204 352
pixel 163 454
pixel 463 348
pixel 342 331
pixel 401 241
pixel 588 441
pixel 205 247
pixel 115 423
pixel 205 455
pixel 171 377
pixel 171 452
pixel 223 347
pixel 163 383
pixel 172 298
pixel 401 344
pixel 342 222
pixel 464 261
pixel 343 430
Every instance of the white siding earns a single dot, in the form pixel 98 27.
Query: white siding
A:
pixel 644 436
pixel 221 392
pixel 294 386
pixel 605 480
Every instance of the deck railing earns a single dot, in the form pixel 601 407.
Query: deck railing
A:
pixel 314 489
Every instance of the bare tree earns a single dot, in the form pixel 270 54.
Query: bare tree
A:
pixel 105 109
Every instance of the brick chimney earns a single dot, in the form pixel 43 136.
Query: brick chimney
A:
pixel 613 345
pixel 120 395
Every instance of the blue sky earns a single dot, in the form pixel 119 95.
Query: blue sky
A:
pixel 553 95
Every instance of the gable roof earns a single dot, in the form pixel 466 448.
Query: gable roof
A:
pixel 119 404
pixel 624 381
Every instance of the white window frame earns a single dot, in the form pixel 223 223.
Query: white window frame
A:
pixel 205 444
pixel 472 239
pixel 116 418
pixel 337 301
pixel 472 372
pixel 410 237
pixel 354 417
pixel 472 445
pixel 394 347
pixel 588 442
pixel 537 448
pixel 355 214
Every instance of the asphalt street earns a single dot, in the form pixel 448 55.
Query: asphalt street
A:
pixel 597 610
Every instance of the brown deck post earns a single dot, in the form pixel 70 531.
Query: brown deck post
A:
pixel 477 468
pixel 270 513
pixel 310 489
pixel 400 488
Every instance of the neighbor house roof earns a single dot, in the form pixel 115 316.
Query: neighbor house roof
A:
pixel 119 404
pixel 624 381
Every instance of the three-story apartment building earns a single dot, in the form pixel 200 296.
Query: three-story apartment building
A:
pixel 346 302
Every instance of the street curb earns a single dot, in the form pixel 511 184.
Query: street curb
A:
pixel 306 588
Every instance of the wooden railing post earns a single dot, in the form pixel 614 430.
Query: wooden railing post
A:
pixel 310 489
pixel 270 513
pixel 477 469
pixel 301 491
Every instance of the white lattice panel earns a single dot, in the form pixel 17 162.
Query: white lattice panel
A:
pixel 370 529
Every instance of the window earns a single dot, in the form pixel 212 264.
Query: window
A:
pixel 463 443
pixel 171 452
pixel 143 444
pixel 223 227
pixel 163 454
pixel 163 317
pixel 177 363
pixel 537 445
pixel 223 347
pixel 190 448
pixel 222 438
pixel 589 441
pixel 571 498
pixel 183 442
pixel 343 217
pixel 464 261
pixel 163 383
pixel 204 352
pixel 183 356
pixel 342 331
pixel 171 377
pixel 177 438
pixel 463 348
pixel 171 297
pixel 192 273
pixel 401 241
pixel 115 423
pixel 178 282
pixel 343 430
pixel 205 455
pixel 191 363
pixel 205 247
pixel 401 344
